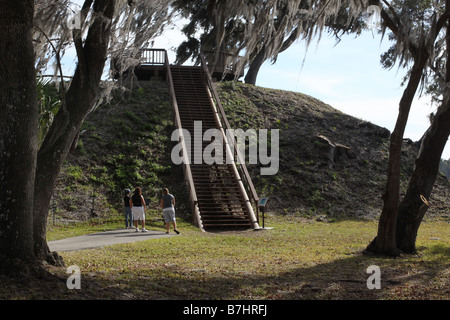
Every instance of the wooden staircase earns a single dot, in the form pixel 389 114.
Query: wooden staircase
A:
pixel 220 195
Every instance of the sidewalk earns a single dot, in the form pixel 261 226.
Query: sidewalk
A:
pixel 97 240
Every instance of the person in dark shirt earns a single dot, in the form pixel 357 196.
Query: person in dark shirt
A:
pixel 127 209
pixel 168 206
pixel 138 208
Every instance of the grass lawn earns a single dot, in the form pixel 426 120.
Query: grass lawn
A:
pixel 298 259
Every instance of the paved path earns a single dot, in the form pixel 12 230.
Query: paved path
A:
pixel 96 240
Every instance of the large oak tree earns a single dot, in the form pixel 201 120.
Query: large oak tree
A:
pixel 18 135
pixel 34 34
pixel 261 31
pixel 420 31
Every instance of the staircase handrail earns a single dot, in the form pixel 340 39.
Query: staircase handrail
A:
pixel 242 167
pixel 187 167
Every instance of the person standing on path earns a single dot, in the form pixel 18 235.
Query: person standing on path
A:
pixel 168 206
pixel 127 209
pixel 138 208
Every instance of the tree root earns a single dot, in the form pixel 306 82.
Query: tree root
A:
pixel 54 259
pixel 374 248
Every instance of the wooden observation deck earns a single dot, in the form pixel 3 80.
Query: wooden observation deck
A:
pixel 152 64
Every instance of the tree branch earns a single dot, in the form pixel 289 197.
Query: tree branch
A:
pixel 77 37
pixel 58 62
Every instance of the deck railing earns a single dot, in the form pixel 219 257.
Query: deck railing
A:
pixel 154 57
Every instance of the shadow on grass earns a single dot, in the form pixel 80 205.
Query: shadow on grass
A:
pixel 344 279
pixel 408 277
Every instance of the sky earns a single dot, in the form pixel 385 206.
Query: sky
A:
pixel 348 76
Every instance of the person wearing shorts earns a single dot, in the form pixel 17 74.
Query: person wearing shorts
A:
pixel 168 206
pixel 138 208
pixel 127 209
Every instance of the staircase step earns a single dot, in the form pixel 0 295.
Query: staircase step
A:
pixel 220 201
pixel 208 225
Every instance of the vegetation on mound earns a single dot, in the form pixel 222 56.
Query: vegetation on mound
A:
pixel 308 182
pixel 126 143
pixel 123 144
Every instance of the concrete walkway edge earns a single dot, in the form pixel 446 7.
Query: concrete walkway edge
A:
pixel 100 239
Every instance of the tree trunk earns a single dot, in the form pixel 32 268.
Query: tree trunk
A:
pixel 18 136
pixel 415 202
pixel 256 64
pixel 385 241
pixel 412 209
pixel 252 73
pixel 78 102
